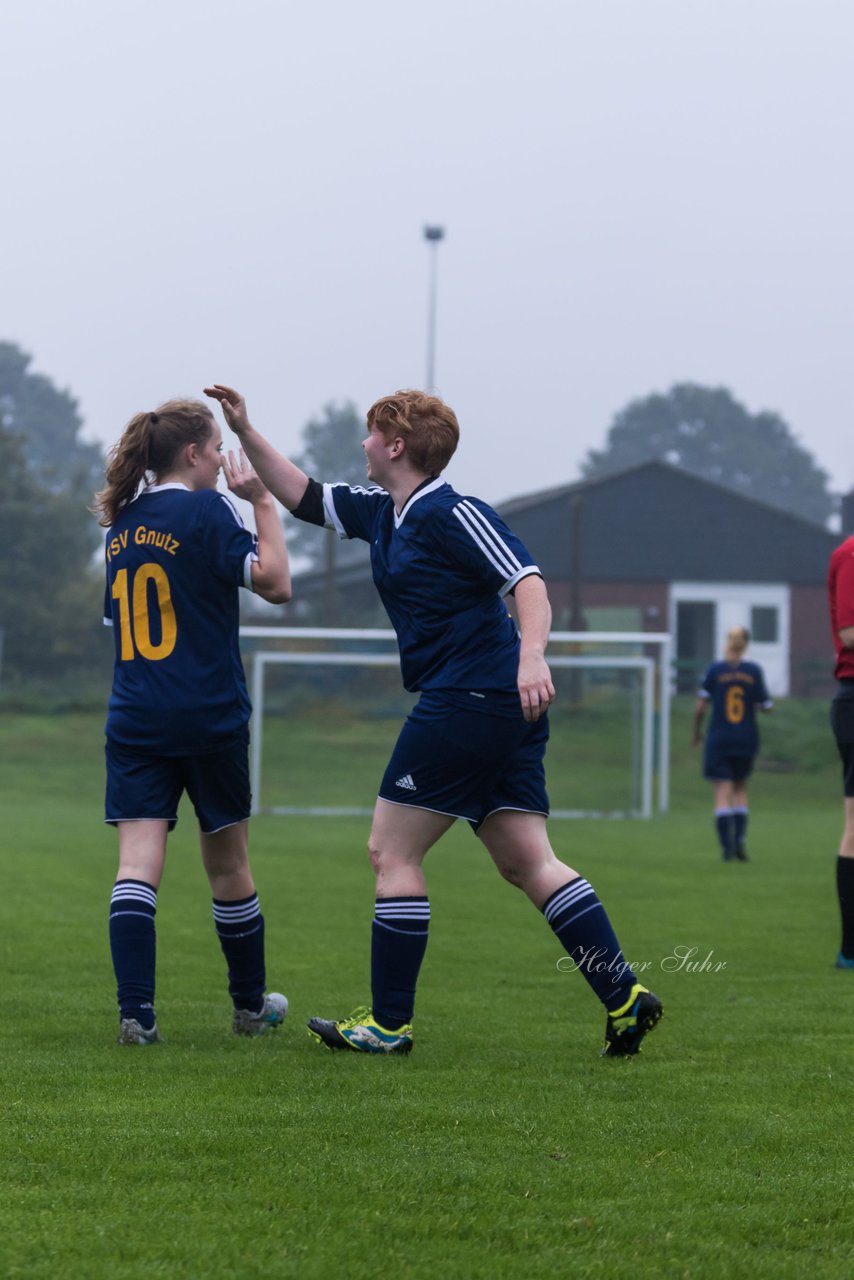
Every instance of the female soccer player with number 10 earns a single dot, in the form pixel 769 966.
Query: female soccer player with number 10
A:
pixel 177 553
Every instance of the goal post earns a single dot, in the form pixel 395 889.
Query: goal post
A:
pixel 325 722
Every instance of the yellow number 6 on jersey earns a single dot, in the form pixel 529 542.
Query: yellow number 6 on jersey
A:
pixel 734 705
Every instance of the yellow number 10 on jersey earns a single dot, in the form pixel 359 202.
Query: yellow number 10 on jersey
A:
pixel 136 637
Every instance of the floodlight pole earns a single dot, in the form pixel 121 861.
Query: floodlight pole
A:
pixel 433 235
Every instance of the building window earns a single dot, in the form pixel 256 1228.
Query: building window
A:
pixel 765 624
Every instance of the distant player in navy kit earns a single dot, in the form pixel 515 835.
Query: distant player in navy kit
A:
pixel 473 746
pixel 734 688
pixel 177 553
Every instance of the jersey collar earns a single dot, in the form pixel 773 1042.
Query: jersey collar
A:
pixel 429 485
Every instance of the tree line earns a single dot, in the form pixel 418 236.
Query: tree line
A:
pixel 51 590
pixel 51 578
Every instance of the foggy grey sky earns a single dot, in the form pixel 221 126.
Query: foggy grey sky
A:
pixel 636 192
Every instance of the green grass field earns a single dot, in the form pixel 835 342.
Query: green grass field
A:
pixel 503 1146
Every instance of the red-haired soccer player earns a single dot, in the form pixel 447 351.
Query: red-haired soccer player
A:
pixel 473 747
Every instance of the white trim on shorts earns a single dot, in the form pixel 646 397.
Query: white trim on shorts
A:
pixel 459 817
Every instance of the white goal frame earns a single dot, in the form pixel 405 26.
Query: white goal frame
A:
pixel 655 676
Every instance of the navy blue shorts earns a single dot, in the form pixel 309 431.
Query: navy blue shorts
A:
pixel 146 786
pixel 468 761
pixel 720 765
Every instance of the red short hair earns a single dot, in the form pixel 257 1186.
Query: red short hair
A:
pixel 425 422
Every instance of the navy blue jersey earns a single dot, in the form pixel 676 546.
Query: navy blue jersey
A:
pixel 175 560
pixel 441 567
pixel 734 690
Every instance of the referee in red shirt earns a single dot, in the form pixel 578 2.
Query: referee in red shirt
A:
pixel 840 585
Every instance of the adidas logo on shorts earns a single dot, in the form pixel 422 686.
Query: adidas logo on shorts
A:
pixel 406 783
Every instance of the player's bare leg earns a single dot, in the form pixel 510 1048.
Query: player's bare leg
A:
pixel 225 855
pixel 519 845
pixel 142 850
pixel 400 838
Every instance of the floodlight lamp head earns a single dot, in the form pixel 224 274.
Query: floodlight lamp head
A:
pixel 434 233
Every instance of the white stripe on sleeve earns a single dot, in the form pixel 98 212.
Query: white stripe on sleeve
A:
pixel 331 520
pixel 517 577
pixel 491 544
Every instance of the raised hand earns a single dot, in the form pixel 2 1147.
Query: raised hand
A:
pixel 242 478
pixel 280 477
pixel 233 406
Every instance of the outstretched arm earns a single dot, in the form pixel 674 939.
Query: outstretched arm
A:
pixel 283 479
pixel 271 573
pixel 534 681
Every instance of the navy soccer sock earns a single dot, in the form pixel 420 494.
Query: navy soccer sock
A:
pixel 240 929
pixel 724 825
pixel 398 942
pixel 133 945
pixel 739 823
pixel 845 890
pixel 581 924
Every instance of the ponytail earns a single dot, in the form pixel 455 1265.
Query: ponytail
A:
pixel 127 467
pixel 147 449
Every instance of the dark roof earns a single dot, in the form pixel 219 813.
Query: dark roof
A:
pixel 657 522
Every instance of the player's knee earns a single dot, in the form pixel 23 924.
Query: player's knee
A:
pixel 526 866
pixel 385 858
pixel 512 872
pixel 375 854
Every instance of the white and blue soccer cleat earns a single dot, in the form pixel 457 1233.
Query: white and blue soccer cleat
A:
pixel 133 1032
pixel 272 1015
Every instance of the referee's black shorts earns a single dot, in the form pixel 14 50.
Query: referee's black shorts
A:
pixel 842 723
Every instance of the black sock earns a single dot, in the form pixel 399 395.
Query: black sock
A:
pixel 723 825
pixel 398 942
pixel 739 822
pixel 845 890
pixel 581 924
pixel 240 929
pixel 133 945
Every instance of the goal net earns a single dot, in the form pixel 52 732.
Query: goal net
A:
pixel 328 704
